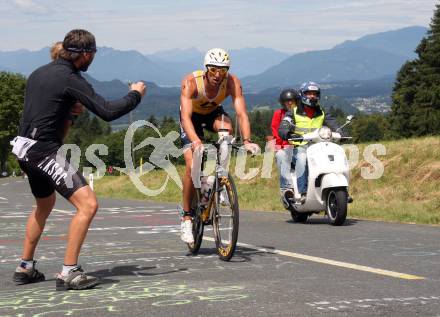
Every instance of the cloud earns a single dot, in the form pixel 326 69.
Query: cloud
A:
pixel 29 7
pixel 149 26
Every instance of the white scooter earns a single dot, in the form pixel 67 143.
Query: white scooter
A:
pixel 328 178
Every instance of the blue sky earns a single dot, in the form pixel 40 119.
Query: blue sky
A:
pixel 151 26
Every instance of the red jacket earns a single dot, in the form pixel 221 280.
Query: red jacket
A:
pixel 278 115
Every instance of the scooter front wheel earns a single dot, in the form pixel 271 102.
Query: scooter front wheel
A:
pixel 336 209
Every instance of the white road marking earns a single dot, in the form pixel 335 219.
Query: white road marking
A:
pixel 1 198
pixel 165 227
pixel 330 262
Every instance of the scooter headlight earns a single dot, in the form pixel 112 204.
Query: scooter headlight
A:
pixel 325 133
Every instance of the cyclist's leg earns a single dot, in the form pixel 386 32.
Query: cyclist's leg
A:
pixel 188 186
pixel 220 119
pixel 186 226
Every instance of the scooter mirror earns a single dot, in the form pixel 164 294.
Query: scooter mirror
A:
pixel 350 117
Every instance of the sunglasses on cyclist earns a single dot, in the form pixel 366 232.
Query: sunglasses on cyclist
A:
pixel 213 70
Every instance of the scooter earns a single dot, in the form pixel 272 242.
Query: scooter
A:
pixel 328 177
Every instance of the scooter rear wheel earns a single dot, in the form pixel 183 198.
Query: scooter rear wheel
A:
pixel 298 217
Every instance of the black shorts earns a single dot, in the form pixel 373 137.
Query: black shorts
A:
pixel 200 122
pixel 50 173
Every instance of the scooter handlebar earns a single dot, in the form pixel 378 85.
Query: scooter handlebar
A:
pixel 315 137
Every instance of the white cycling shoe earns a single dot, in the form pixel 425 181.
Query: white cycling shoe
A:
pixel 186 233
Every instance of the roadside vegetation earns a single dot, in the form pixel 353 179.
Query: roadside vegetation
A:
pixel 408 191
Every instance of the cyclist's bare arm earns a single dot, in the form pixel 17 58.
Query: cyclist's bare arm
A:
pixel 235 90
pixel 188 90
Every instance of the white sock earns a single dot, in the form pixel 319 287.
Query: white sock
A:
pixel 26 264
pixel 67 268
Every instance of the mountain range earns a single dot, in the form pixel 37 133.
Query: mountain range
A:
pixel 363 68
pixel 372 56
pixel 164 101
pixel 166 68
pixel 369 57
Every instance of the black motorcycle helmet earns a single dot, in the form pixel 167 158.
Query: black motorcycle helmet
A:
pixel 287 95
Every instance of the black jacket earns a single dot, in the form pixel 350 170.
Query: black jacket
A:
pixel 51 90
pixel 287 126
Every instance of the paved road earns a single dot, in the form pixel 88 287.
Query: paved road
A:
pixel 280 269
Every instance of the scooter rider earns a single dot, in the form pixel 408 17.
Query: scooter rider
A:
pixel 306 117
pixel 288 99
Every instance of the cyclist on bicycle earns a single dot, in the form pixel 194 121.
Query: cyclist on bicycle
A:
pixel 202 93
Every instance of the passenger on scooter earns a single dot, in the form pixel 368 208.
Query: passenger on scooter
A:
pixel 288 99
pixel 306 117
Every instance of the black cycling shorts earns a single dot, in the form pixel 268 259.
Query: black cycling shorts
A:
pixel 201 121
pixel 50 173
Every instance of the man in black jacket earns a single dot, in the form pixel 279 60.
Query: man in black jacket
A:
pixel 51 90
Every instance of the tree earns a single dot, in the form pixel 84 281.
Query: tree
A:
pixel 12 88
pixel 416 93
pixel 367 128
pixel 152 119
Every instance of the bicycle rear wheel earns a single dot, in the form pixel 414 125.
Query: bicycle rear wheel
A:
pixel 197 224
pixel 225 217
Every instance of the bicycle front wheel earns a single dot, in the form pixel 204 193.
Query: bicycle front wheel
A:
pixel 197 226
pixel 225 217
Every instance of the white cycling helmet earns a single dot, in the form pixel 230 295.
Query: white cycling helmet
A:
pixel 217 57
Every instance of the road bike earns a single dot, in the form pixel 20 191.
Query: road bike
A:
pixel 219 206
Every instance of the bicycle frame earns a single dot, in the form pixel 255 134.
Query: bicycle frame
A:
pixel 223 195
pixel 207 213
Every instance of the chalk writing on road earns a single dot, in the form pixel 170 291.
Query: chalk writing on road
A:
pixel 371 303
pixel 38 302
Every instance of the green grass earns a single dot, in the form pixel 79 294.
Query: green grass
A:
pixel 408 191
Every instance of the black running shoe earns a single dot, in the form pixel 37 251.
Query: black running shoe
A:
pixel 287 197
pixel 28 276
pixel 76 279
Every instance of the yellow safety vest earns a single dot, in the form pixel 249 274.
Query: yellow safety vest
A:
pixel 303 124
pixel 202 104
